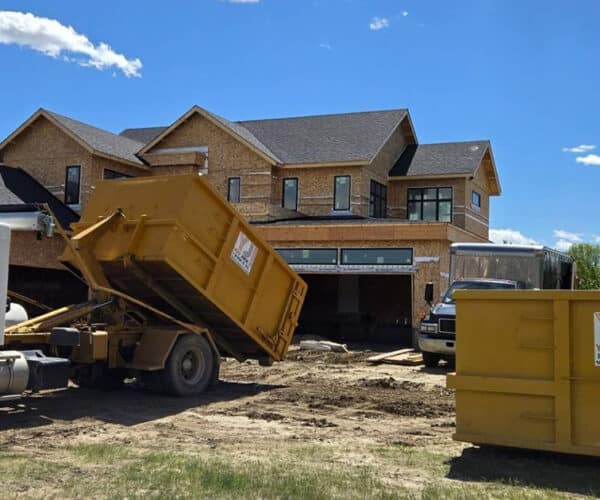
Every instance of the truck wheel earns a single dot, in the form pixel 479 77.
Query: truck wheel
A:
pixel 431 359
pixel 190 367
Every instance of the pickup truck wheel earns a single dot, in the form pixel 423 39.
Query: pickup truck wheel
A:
pixel 190 367
pixel 431 359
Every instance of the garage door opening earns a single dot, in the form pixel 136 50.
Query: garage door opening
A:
pixel 352 307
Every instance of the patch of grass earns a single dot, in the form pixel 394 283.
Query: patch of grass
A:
pixel 449 491
pixel 413 457
pixel 99 453
pixel 177 476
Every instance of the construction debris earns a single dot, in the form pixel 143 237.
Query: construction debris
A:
pixel 322 345
pixel 407 357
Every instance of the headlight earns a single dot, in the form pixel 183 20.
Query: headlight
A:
pixel 429 327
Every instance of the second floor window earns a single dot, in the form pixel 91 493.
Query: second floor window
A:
pixel 234 190
pixel 476 200
pixel 290 193
pixel 430 204
pixel 72 185
pixel 378 200
pixel 341 192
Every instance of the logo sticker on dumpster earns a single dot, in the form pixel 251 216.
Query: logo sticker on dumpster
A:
pixel 597 338
pixel 244 252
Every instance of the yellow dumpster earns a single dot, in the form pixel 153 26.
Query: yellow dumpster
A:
pixel 175 244
pixel 528 369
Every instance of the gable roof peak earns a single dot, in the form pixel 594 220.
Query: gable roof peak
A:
pixel 96 140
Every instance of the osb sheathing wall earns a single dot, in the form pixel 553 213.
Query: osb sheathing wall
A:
pixel 44 152
pixel 27 250
pixel 477 221
pixel 398 196
pixel 316 188
pixel 227 157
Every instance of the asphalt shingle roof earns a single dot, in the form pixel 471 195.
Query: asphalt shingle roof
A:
pixel 19 191
pixel 326 138
pixel 246 134
pixel 308 139
pixel 440 159
pixel 101 140
pixel 142 135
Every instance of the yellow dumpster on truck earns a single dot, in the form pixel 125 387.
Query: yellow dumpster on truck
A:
pixel 177 278
pixel 528 369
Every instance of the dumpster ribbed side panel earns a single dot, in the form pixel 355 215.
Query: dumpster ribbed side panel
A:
pixel 178 242
pixel 527 369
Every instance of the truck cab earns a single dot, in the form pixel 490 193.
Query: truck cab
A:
pixel 437 335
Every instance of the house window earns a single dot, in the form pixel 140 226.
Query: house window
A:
pixel 309 255
pixel 341 192
pixel 290 193
pixel 476 200
pixel 234 190
pixel 430 204
pixel 378 200
pixel 113 174
pixel 377 256
pixel 72 185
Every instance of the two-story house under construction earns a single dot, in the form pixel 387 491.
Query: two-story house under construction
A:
pixel 352 201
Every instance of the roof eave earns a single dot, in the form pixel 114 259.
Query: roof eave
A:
pixel 357 163
pixel 430 176
pixel 141 166
pixel 496 179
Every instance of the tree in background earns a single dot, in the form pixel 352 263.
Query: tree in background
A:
pixel 587 259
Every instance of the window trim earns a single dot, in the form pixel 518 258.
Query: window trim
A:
pixel 335 178
pixel 283 192
pixel 437 203
pixel 372 204
pixel 67 168
pixel 229 179
pixel 342 249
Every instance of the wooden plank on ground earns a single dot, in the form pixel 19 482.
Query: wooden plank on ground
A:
pixel 377 358
pixel 406 359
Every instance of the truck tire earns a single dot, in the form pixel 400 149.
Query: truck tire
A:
pixel 190 368
pixel 431 359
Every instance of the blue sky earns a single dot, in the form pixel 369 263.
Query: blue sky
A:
pixel 523 74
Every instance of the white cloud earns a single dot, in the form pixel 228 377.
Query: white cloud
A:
pixel 378 23
pixel 567 236
pixel 582 148
pixel 53 39
pixel 588 159
pixel 404 13
pixel 510 237
pixel 325 46
pixel 563 245
pixel 566 239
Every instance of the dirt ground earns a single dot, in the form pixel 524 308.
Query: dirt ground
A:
pixel 330 407
pixel 301 399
